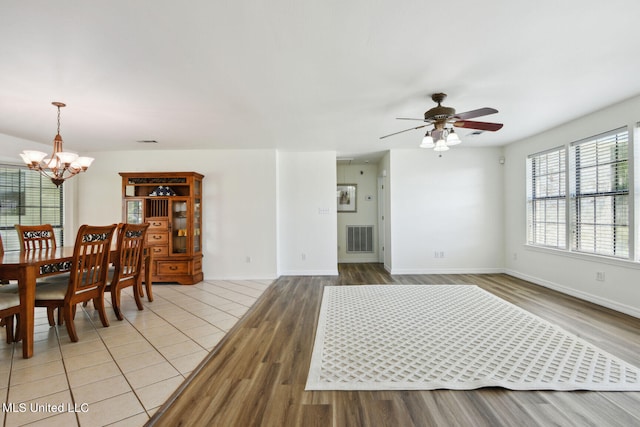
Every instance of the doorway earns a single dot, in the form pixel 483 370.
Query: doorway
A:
pixel 358 220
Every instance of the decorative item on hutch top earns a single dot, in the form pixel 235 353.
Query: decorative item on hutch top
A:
pixel 62 165
pixel 171 202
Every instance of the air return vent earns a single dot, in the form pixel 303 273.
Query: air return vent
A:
pixel 359 238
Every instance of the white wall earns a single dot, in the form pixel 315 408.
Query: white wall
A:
pixel 307 242
pixel 244 194
pixel 365 177
pixel 446 212
pixel 12 147
pixel 239 202
pixel 572 274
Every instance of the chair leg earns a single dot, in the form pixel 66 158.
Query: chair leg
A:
pixel 136 295
pixel 115 302
pixel 50 317
pixel 60 317
pixel 147 284
pixel 99 305
pixel 68 317
pixel 8 322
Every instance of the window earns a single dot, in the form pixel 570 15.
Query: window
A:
pixel 597 193
pixel 600 194
pixel 546 199
pixel 27 198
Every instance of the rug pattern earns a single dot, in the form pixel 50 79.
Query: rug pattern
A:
pixel 425 337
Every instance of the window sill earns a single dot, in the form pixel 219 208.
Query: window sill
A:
pixel 626 263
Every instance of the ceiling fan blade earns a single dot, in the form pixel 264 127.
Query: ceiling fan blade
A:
pixel 475 113
pixel 406 130
pixel 478 125
pixel 408 118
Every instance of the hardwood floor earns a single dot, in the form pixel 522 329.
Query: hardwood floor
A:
pixel 256 375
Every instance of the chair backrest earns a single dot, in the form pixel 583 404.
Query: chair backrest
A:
pixel 36 237
pixel 131 240
pixel 90 264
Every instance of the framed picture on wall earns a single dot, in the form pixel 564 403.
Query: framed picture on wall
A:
pixel 346 197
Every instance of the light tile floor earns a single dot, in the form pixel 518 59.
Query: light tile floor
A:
pixel 119 375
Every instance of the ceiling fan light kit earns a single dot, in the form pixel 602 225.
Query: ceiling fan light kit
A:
pixel 62 165
pixel 441 116
pixel 427 141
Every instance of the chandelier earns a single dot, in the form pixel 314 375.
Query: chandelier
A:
pixel 444 139
pixel 62 165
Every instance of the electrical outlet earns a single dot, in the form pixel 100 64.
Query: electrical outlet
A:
pixel 600 276
pixel 303 256
pixel 248 259
pixel 515 256
pixel 441 254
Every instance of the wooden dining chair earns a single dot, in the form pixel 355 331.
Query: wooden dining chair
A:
pixel 36 236
pixel 127 265
pixel 9 305
pixel 86 281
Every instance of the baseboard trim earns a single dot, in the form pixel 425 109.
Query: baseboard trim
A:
pixel 309 273
pixel 263 277
pixel 622 308
pixel 483 270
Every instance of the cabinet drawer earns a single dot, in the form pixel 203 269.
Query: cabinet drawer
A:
pixel 157 239
pixel 158 224
pixel 173 267
pixel 159 250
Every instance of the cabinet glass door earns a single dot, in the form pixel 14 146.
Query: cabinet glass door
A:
pixel 134 212
pixel 197 226
pixel 179 226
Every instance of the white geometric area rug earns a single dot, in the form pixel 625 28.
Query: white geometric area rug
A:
pixel 426 337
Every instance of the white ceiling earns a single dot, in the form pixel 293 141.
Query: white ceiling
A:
pixel 303 74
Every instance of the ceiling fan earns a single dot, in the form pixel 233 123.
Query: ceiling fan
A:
pixel 441 116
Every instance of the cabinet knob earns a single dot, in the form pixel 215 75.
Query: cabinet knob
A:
pixel 157 237
pixel 173 267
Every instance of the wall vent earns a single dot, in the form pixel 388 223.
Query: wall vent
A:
pixel 359 238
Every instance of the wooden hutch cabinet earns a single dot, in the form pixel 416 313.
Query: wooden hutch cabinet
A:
pixel 171 202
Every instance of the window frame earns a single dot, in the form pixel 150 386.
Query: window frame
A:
pixel 573 195
pixel 535 200
pixel 589 167
pixel 24 195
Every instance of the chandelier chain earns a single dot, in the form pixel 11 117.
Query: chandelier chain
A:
pixel 58 120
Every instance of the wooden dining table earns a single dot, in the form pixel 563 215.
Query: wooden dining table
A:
pixel 26 267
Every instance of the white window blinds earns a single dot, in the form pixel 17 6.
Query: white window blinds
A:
pixel 29 199
pixel 600 194
pixel 546 199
